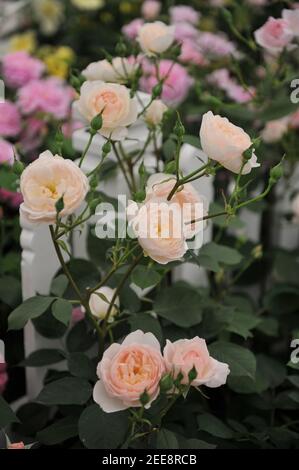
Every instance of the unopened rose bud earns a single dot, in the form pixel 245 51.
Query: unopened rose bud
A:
pixel 276 173
pixel 97 122
pixel 166 383
pixel 18 167
pixel 154 113
pixel 257 252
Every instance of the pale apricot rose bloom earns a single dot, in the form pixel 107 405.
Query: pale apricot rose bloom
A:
pixel 159 228
pixel 154 113
pixel 224 142
pixel 45 181
pixel 185 354
pixel 192 204
pixel 155 38
pixel 118 71
pixel 118 109
pixel 100 300
pixel 274 130
pixel 127 370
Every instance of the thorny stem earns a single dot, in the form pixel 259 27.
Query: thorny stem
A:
pixel 82 299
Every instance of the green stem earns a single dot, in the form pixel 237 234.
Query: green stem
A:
pixel 83 301
pixel 119 288
pixel 91 136
pixel 121 165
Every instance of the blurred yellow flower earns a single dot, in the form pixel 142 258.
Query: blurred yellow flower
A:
pixel 106 17
pixel 126 7
pixel 57 60
pixel 49 14
pixel 23 42
pixel 88 4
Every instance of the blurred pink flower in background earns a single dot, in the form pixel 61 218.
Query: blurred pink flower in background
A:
pixel 190 53
pixel 10 119
pixel 292 17
pixel 274 35
pixel 6 152
pixel 3 375
pixel 258 3
pixel 33 134
pixel 151 9
pixel 274 130
pixel 216 45
pixel 131 29
pixel 176 86
pixel 12 198
pixel 184 13
pixel 50 96
pixel 185 31
pixel 294 120
pixel 68 128
pixel 77 315
pixel 222 79
pixel 19 68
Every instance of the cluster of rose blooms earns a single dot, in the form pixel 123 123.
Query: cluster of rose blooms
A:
pixel 136 367
pixel 38 100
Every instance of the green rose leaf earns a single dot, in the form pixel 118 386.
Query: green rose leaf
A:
pixel 62 311
pixel 7 416
pixel 180 305
pixel 66 391
pixel 59 431
pixel 99 430
pixel 144 276
pixel 166 440
pixel 212 425
pixel 43 357
pixel 31 308
pixel 241 361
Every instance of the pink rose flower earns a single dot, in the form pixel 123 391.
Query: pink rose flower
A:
pixel 3 374
pixel 175 87
pixel 20 68
pixel 131 30
pixel 292 17
pixel 6 152
pixel 274 35
pixel 127 370
pixel 49 96
pixel 274 130
pixel 294 120
pixel 191 54
pixel 185 354
pixel 12 198
pixel 151 9
pixel 215 45
pixel 10 119
pixel 16 445
pixel 184 13
pixel 185 31
pixel 222 79
pixel 77 315
pixel 33 134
